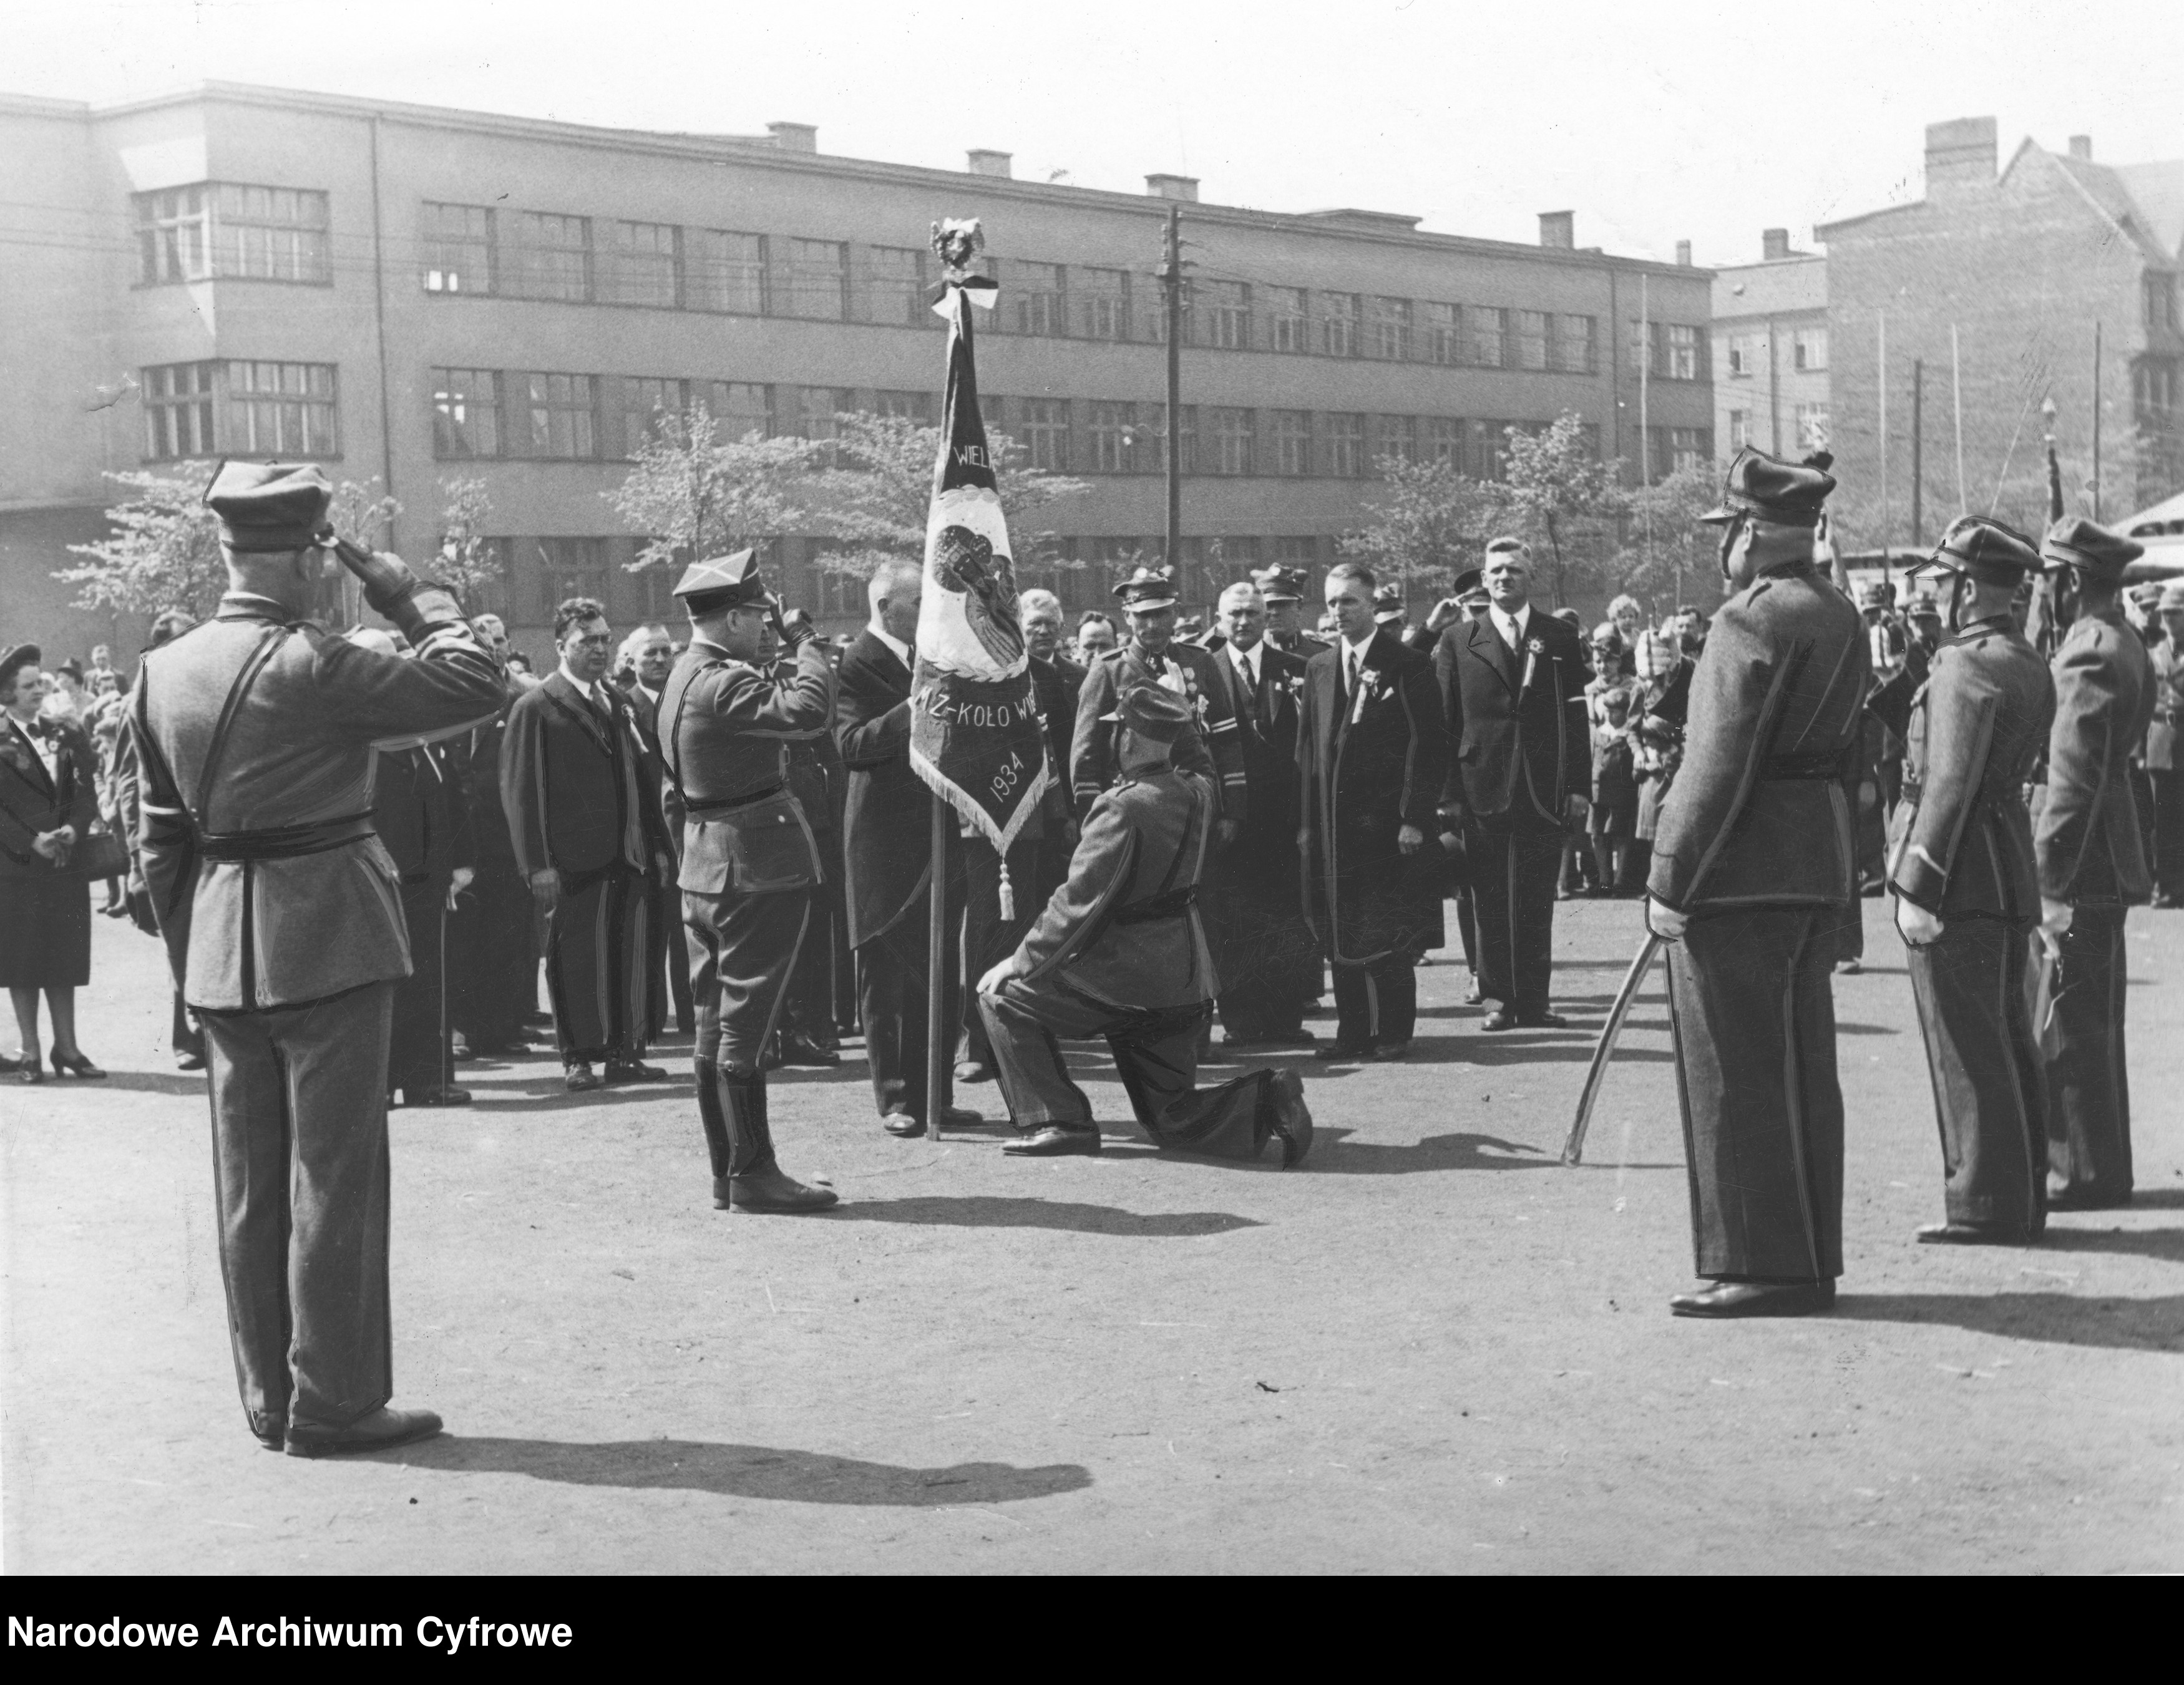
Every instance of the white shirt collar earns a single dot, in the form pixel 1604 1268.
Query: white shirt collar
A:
pixel 1357 649
pixel 1247 660
pixel 1511 626
pixel 901 649
pixel 590 692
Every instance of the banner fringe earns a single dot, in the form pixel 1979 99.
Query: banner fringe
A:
pixel 968 807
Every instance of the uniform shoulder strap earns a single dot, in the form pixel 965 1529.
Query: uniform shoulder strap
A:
pixel 216 750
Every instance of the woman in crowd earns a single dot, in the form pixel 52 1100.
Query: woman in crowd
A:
pixel 48 796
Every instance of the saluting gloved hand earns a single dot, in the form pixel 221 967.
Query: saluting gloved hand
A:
pixel 385 577
pixel 792 626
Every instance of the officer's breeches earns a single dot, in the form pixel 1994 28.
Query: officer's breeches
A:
pixel 300 1168
pixel 742 954
pixel 2088 1094
pixel 1989 1091
pixel 1755 1030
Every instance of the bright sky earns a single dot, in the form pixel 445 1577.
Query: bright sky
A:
pixel 1657 121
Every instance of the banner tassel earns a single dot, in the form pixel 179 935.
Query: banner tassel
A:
pixel 1008 893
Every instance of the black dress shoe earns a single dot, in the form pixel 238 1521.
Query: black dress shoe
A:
pixel 579 1077
pixel 377 1431
pixel 1500 1019
pixel 1391 1052
pixel 189 1061
pixel 771 1192
pixel 974 1071
pixel 1974 1234
pixel 903 1126
pixel 797 1049
pixel 956 1117
pixel 2084 1199
pixel 1056 1141
pixel 1543 1020
pixel 633 1070
pixel 269 1428
pixel 437 1094
pixel 1344 1053
pixel 1756 1298
pixel 1298 1037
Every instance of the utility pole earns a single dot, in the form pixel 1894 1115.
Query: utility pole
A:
pixel 2097 420
pixel 1918 453
pixel 1171 280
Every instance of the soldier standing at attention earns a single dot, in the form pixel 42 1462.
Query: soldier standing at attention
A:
pixel 2092 865
pixel 283 924
pixel 1751 871
pixel 1119 952
pixel 749 865
pixel 1960 855
pixel 1282 589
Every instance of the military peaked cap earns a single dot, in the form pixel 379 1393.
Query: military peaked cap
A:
pixel 723 582
pixel 1279 584
pixel 1788 493
pixel 1986 549
pixel 1470 587
pixel 1148 589
pixel 2075 542
pixel 1388 602
pixel 1152 712
pixel 269 506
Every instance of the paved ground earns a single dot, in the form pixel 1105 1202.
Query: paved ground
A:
pixel 1432 1349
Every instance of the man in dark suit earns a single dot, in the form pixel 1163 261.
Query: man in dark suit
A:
pixel 492 935
pixel 886 850
pixel 1268 955
pixel 1752 868
pixel 582 797
pixel 1974 717
pixel 2091 857
pixel 1371 759
pixel 1514 683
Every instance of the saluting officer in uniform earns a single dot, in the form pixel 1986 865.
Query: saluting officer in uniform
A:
pixel 282 916
pixel 750 868
pixel 1153 656
pixel 1119 952
pixel 1752 870
pixel 1282 589
pixel 2092 865
pixel 1960 862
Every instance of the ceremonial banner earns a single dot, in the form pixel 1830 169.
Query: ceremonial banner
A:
pixel 976 736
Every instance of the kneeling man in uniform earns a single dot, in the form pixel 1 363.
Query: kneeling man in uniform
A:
pixel 1119 952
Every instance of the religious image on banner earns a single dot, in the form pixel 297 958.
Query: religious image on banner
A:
pixel 976 736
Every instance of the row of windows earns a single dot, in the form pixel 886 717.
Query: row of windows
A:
pixel 225 229
pixel 1811 426
pixel 1748 352
pixel 245 408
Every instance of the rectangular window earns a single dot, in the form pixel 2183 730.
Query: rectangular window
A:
pixel 819 410
pixel 643 265
pixel 894 286
pixel 1575 351
pixel 1113 428
pixel 1101 301
pixel 1229 435
pixel 1744 356
pixel 178 411
pixel 1489 327
pixel 1288 326
pixel 1444 441
pixel 1345 445
pixel 1040 307
pixel 1811 426
pixel 555 416
pixel 909 406
pixel 739 408
pixel 569 567
pixel 1338 324
pixel 2153 392
pixel 646 406
pixel 1042 428
pixel 270 233
pixel 724 271
pixel 1288 441
pixel 1490 450
pixel 1530 341
pixel 1395 436
pixel 2160 301
pixel 1388 330
pixel 819 279
pixel 174 236
pixel 1297 553
pixel 1224 308
pixel 1186 438
pixel 465 413
pixel 1683 352
pixel 458 248
pixel 1808 345
pixel 282 409
pixel 1740 428
pixel 1442 340
pixel 551 258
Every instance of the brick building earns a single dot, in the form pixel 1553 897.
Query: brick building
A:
pixel 410 294
pixel 1771 351
pixel 2022 264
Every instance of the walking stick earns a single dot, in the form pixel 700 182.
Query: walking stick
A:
pixel 1574 1147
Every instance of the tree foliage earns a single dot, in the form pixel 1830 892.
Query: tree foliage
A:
pixel 468 565
pixel 695 493
pixel 1668 554
pixel 1428 522
pixel 1564 502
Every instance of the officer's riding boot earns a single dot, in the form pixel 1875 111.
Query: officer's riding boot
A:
pixel 755 1183
pixel 716 1123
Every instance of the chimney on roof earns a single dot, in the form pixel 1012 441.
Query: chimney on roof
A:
pixel 1683 254
pixel 1774 244
pixel 983 163
pixel 1183 188
pixel 1559 228
pixel 2081 146
pixel 1960 156
pixel 794 136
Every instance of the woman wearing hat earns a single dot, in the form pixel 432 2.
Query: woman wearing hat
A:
pixel 48 796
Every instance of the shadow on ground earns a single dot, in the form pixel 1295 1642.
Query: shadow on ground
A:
pixel 742 1471
pixel 1334 1152
pixel 2137 1325
pixel 2164 1243
pixel 127 1082
pixel 995 1211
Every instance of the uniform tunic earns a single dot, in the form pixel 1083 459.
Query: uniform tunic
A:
pixel 1960 846
pixel 2091 852
pixel 1187 671
pixel 1755 845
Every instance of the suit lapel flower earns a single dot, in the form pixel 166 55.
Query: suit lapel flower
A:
pixel 1534 649
pixel 1368 684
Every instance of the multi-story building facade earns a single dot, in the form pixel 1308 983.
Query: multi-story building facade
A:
pixel 2055 277
pixel 411 294
pixel 1771 351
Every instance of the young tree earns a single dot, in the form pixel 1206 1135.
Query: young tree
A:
pixel 1564 501
pixel 468 564
pixel 693 493
pixel 1429 522
pixel 1668 555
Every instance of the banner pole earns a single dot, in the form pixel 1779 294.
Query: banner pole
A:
pixel 937 1037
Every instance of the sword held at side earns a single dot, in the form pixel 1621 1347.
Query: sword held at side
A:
pixel 1574 1147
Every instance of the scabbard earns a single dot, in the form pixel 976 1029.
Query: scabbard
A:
pixel 1573 1146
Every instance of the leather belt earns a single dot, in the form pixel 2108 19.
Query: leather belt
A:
pixel 730 804
pixel 1986 798
pixel 1807 768
pixel 1172 905
pixel 285 842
